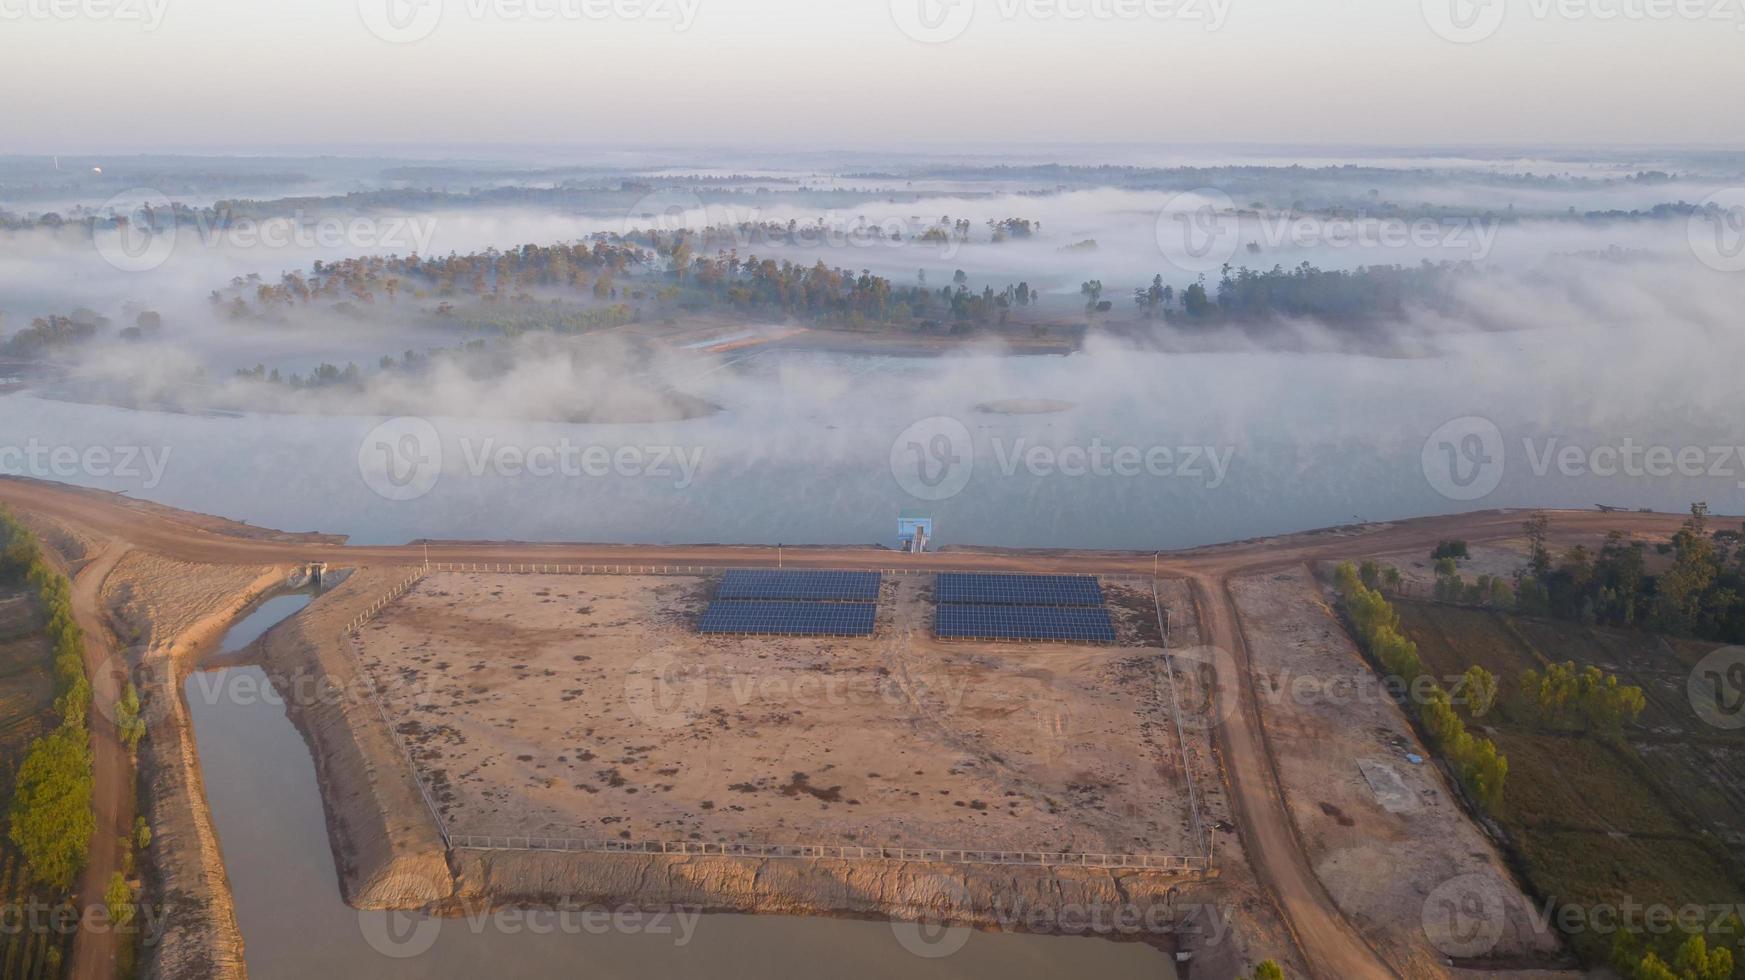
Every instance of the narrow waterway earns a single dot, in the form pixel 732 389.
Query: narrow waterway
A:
pixel 260 781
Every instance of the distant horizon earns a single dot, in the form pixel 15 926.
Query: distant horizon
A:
pixel 793 74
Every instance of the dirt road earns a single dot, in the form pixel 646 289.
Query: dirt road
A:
pixel 95 951
pixel 1330 945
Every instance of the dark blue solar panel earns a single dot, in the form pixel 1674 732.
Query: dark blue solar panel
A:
pixel 1065 624
pixel 821 586
pixel 748 617
pixel 1019 590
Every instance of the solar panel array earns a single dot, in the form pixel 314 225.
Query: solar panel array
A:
pixel 771 602
pixel 1019 590
pixel 1066 624
pixel 770 584
pixel 1062 608
pixel 748 617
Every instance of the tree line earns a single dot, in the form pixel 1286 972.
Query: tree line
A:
pixel 51 819
pixel 1333 296
pixel 1481 768
pixel 1701 594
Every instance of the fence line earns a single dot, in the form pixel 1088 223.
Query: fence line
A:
pixel 928 855
pixel 349 642
pixel 538 568
pixel 1181 733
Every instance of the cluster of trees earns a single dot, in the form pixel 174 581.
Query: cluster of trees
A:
pixel 1564 696
pixel 1015 228
pixel 1487 590
pixel 1480 766
pixel 815 293
pixel 1701 594
pixel 323 376
pixel 489 276
pixel 51 819
pixel 1693 960
pixel 1334 296
pixel 46 334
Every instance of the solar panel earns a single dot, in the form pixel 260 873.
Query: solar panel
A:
pixel 1019 590
pixel 772 584
pixel 752 617
pixel 1064 624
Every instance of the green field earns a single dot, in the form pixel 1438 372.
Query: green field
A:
pixel 1657 817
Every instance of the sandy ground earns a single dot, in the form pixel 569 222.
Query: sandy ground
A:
pixel 587 706
pixel 1382 833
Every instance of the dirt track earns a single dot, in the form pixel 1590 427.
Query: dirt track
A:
pixel 95 953
pixel 1328 943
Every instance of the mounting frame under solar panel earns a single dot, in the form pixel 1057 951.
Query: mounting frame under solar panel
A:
pixel 1061 624
pixel 777 585
pixel 1018 590
pixel 744 617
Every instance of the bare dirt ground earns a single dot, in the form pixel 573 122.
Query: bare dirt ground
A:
pixel 1382 832
pixel 587 706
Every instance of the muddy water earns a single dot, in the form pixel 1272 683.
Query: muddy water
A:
pixel 261 783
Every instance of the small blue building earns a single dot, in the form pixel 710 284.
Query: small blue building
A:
pixel 914 530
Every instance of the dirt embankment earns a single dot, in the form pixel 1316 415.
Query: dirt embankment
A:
pixel 979 896
pixel 1386 836
pixel 170 613
pixel 388 849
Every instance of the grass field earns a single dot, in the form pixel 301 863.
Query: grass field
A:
pixel 1657 817
pixel 26 711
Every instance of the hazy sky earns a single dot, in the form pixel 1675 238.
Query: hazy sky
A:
pixel 84 75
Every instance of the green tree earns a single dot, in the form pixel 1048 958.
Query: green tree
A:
pixel 118 897
pixel 1480 689
pixel 127 717
pixel 52 821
